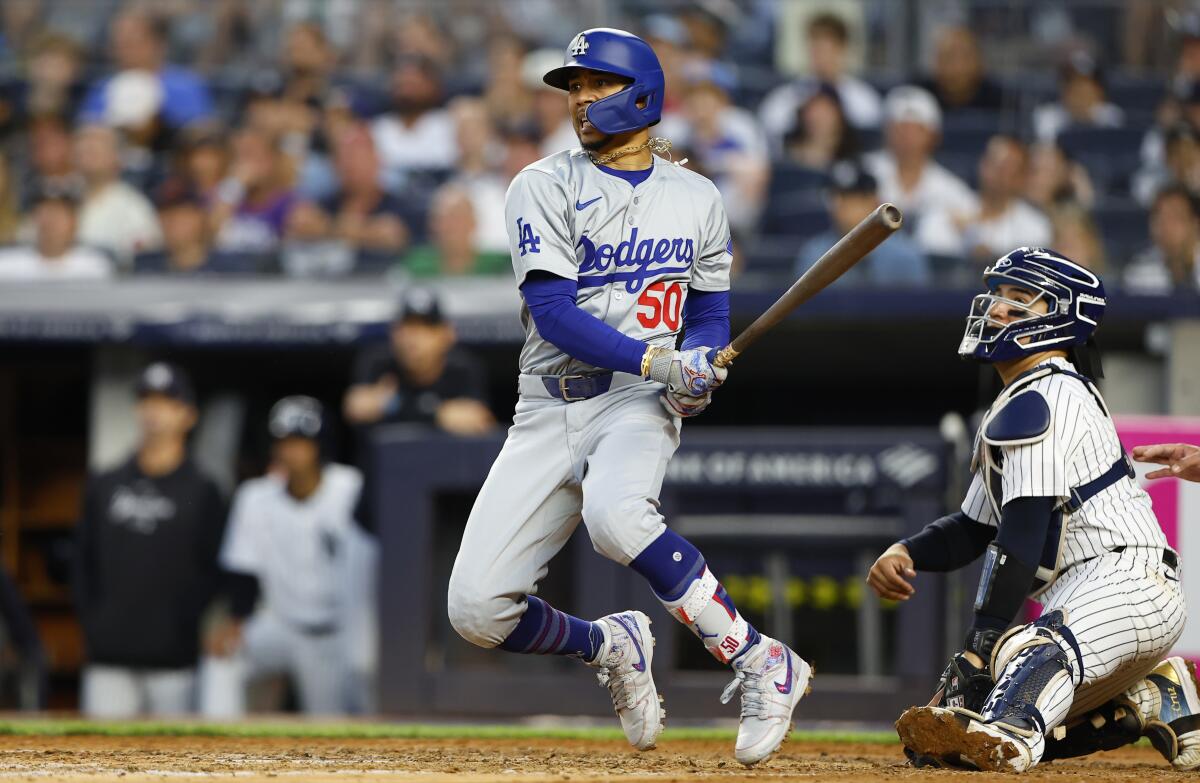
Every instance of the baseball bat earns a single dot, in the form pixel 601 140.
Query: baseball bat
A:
pixel 850 249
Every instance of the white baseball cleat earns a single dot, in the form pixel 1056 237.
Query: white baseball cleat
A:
pixel 773 679
pixel 624 664
pixel 1175 730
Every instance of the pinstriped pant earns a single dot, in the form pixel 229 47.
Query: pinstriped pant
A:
pixel 1126 611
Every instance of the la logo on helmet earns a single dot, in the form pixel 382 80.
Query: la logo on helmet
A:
pixel 578 46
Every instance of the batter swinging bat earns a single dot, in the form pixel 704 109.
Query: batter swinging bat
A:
pixel 850 249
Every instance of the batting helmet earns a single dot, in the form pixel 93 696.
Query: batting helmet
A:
pixel 296 416
pixel 616 51
pixel 1074 299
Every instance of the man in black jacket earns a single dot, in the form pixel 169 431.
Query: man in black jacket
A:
pixel 146 565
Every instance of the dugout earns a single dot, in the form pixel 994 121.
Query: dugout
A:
pixel 790 519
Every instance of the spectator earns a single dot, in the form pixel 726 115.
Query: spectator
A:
pixel 828 39
pixel 52 86
pixel 1076 236
pixel 136 112
pixel 453 250
pixel 362 218
pixel 114 217
pixel 290 533
pixel 10 216
pixel 54 254
pixel 999 220
pixel 1081 103
pixel 1181 164
pixel 479 152
pixel 958 80
pixel 521 147
pixel 908 175
pixel 668 37
pixel 416 134
pixel 853 194
pixel 419 376
pixel 138 41
pixel 146 561
pixel 725 140
pixel 1172 263
pixel 1054 178
pixel 185 250
pixel 549 112
pixel 201 164
pixel 50 160
pixel 254 202
pixel 821 135
pixel 506 96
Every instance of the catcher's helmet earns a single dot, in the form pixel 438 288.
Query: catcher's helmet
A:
pixel 1074 298
pixel 616 51
pixel 296 416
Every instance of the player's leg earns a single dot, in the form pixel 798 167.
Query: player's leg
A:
pixel 319 671
pixel 264 650
pixel 524 514
pixel 170 692
pixel 1106 625
pixel 632 443
pixel 110 692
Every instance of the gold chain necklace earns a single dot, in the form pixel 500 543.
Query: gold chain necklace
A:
pixel 661 146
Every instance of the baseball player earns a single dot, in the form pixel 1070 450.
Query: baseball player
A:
pixel 615 251
pixel 290 540
pixel 1054 504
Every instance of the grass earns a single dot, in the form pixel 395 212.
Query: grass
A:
pixel 50 727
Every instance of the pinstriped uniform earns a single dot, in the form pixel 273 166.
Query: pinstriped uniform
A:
pixel 1124 609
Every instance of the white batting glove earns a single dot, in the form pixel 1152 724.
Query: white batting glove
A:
pixel 688 373
pixel 684 405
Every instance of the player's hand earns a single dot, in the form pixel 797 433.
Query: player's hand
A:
pixel 684 405
pixel 689 372
pixel 1181 460
pixel 225 639
pixel 891 572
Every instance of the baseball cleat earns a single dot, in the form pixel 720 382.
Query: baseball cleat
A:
pixel 772 679
pixel 624 664
pixel 941 737
pixel 1175 731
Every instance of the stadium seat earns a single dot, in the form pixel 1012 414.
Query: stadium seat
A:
pixel 1125 227
pixel 1111 155
pixel 793 180
pixel 797 215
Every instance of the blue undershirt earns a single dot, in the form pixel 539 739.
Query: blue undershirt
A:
pixel 633 177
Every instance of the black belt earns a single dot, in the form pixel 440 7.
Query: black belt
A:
pixel 573 388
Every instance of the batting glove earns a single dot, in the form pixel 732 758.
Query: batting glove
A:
pixel 684 405
pixel 689 372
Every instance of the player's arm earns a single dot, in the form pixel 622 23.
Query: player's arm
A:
pixel 946 544
pixel 239 562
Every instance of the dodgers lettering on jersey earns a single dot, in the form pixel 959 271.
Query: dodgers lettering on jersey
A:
pixel 634 253
pixel 1082 445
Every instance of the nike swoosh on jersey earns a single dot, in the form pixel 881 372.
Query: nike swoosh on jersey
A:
pixel 785 687
pixel 580 206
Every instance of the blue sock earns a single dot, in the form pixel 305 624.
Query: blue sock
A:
pixel 544 630
pixel 670 564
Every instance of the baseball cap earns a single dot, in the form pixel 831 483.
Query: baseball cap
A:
pixel 1080 63
pixel 66 189
pixel 296 416
pixel 132 98
pixel 847 176
pixel 537 63
pixel 908 103
pixel 168 380
pixel 420 304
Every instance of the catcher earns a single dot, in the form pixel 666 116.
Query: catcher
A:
pixel 1054 505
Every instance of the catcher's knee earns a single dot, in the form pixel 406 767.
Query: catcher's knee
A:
pixel 1050 628
pixel 1035 673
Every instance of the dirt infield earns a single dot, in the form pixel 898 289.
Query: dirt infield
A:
pixel 131 759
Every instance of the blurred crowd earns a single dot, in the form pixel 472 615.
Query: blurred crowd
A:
pixel 376 137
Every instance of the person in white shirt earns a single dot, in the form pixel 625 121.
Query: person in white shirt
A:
pixel 1081 102
pixel 553 125
pixel 114 216
pixel 417 134
pixel 291 542
pixel 828 41
pixel 986 228
pixel 54 254
pixel 908 175
pixel 1173 262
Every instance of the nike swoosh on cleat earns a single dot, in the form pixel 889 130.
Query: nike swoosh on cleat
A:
pixel 641 664
pixel 786 687
pixel 579 207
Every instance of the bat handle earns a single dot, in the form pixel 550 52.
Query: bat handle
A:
pixel 725 356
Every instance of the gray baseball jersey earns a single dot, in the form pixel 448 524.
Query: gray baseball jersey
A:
pixel 633 252
pixel 1080 445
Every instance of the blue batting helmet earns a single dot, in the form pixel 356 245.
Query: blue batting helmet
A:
pixel 616 51
pixel 1074 298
